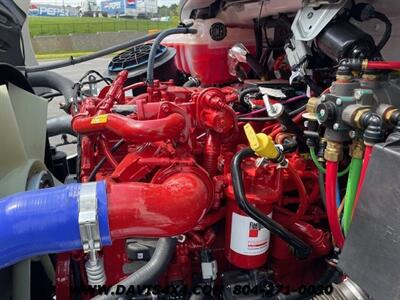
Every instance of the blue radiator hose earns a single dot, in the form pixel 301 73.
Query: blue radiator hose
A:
pixel 46 221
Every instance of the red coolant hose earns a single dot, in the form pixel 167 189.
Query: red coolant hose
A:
pixel 304 201
pixel 135 131
pixel 331 178
pixel 383 65
pixel 367 156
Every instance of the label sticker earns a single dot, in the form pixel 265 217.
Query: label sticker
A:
pixel 100 119
pixel 248 237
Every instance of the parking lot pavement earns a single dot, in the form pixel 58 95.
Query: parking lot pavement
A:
pixel 74 73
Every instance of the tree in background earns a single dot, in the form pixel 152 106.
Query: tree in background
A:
pixel 171 11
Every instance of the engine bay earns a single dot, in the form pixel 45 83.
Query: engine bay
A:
pixel 249 153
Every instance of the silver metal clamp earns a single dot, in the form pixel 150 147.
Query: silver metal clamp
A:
pixel 90 233
pixel 88 220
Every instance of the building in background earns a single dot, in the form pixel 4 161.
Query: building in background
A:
pixel 129 8
pixel 48 10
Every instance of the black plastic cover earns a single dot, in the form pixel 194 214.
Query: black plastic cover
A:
pixel 11 20
pixel 372 250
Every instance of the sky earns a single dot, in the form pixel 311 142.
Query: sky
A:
pixel 76 2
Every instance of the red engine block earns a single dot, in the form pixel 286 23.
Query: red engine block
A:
pixel 172 148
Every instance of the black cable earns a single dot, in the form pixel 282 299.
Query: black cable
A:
pixel 244 92
pixel 261 119
pixel 50 96
pixel 266 119
pixel 321 183
pixel 313 85
pixel 103 160
pixel 107 80
pixel 388 31
pixel 300 248
pixel 156 45
pixel 73 61
pixel 297 111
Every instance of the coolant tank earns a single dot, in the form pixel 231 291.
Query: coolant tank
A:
pixel 204 55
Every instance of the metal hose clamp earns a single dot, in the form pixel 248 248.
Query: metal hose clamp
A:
pixel 88 221
pixel 90 233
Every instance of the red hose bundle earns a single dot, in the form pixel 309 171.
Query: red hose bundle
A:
pixel 383 65
pixel 367 156
pixel 331 177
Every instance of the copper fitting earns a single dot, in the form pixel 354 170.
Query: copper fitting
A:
pixel 358 114
pixel 357 149
pixel 364 64
pixel 333 151
pixel 343 78
pixel 386 112
pixel 369 77
pixel 311 109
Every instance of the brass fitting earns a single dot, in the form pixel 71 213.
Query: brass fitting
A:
pixel 369 77
pixel 333 151
pixel 364 64
pixel 343 78
pixel 357 149
pixel 358 114
pixel 311 109
pixel 386 112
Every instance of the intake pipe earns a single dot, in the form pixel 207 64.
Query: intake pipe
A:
pixel 47 221
pixel 59 125
pixel 54 81
pixel 134 131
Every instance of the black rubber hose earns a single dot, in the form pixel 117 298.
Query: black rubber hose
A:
pixel 321 183
pixel 60 125
pixel 313 85
pixel 300 248
pixel 150 272
pixel 103 160
pixel 286 120
pixel 388 30
pixel 73 61
pixel 52 80
pixel 243 93
pixel 156 45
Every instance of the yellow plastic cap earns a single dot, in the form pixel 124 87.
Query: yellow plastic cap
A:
pixel 261 143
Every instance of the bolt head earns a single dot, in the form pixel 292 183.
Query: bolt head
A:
pixel 322 98
pixel 338 101
pixel 310 15
pixel 336 126
pixel 357 94
pixel 352 134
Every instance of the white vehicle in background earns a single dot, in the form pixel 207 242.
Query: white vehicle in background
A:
pixel 89 8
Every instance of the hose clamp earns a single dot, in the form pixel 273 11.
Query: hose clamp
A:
pixel 88 219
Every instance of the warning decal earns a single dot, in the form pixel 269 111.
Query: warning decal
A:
pixel 248 237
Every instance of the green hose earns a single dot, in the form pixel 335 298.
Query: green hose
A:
pixel 320 167
pixel 351 190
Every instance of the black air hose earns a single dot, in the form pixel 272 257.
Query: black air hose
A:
pixel 150 272
pixel 301 249
pixel 54 81
pixel 156 45
pixel 73 61
pixel 60 125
